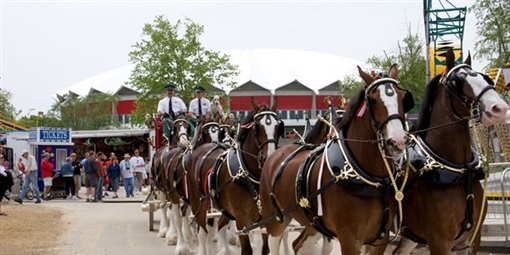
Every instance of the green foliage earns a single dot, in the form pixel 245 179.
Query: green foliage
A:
pixel 7 110
pixel 411 65
pixel 173 53
pixel 493 26
pixel 42 120
pixel 349 85
pixel 88 113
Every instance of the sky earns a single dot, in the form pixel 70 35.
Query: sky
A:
pixel 46 46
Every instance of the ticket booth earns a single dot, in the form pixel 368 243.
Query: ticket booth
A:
pixel 56 141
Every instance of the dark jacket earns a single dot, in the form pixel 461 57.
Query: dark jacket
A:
pixel 77 168
pixel 113 171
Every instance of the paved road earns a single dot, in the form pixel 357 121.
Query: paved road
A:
pixel 108 228
pixel 121 228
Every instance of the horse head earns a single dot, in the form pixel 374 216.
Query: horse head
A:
pixel 181 131
pixel 473 90
pixel 382 103
pixel 262 128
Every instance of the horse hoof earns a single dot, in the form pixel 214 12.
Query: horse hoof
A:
pixel 145 191
pixel 162 233
pixel 145 208
pixel 182 251
pixel 171 240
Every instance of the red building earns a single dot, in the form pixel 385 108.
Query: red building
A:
pixel 299 79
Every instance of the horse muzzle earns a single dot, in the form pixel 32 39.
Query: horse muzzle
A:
pixel 496 114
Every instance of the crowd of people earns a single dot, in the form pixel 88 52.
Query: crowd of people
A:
pixel 102 173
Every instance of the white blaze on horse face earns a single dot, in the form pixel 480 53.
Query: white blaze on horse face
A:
pixel 183 135
pixel 269 123
pixel 494 107
pixel 214 135
pixel 394 129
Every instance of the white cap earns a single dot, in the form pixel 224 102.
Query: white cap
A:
pixel 23 152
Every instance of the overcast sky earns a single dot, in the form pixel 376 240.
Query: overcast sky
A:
pixel 46 46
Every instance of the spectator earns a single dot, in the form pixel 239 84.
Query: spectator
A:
pixel 77 171
pixel 67 175
pixel 30 177
pixel 127 175
pixel 90 169
pixel 6 182
pixel 138 165
pixel 47 174
pixel 101 173
pixel 113 173
pixel 20 166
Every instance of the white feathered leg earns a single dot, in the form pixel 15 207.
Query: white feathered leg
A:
pixel 182 247
pixel 171 234
pixel 164 222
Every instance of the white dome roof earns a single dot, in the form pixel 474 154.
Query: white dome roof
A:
pixel 269 68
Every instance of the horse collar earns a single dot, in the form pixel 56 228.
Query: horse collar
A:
pixel 431 160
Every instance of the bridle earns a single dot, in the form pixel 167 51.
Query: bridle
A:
pixel 260 145
pixel 181 122
pixel 388 82
pixel 449 82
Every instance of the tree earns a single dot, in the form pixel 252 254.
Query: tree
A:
pixel 349 85
pixel 7 110
pixel 88 113
pixel 173 53
pixel 411 64
pixel 493 26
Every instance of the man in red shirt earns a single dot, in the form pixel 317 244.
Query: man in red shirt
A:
pixel 47 174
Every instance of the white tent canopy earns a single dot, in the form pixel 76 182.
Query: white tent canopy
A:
pixel 270 68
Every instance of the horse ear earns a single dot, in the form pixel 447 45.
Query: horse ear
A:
pixel 393 73
pixel 450 59
pixel 254 105
pixel 468 59
pixel 365 77
pixel 275 104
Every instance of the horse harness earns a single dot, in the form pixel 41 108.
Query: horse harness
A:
pixel 439 171
pixel 344 172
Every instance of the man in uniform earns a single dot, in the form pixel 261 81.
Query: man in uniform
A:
pixel 199 108
pixel 169 107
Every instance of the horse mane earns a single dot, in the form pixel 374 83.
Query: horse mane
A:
pixel 241 135
pixel 352 108
pixel 428 101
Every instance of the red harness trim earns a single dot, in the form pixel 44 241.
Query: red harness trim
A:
pixel 206 182
pixel 248 125
pixel 361 110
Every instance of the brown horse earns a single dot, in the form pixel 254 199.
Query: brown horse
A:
pixel 163 177
pixel 353 201
pixel 228 178
pixel 444 200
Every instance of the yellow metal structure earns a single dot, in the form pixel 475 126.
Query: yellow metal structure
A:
pixel 496 74
pixel 437 63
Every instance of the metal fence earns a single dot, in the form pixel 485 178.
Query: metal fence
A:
pixel 495 231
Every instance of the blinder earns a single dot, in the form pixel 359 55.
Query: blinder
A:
pixel 281 128
pixel 408 101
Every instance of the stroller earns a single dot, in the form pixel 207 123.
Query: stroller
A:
pixel 57 189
